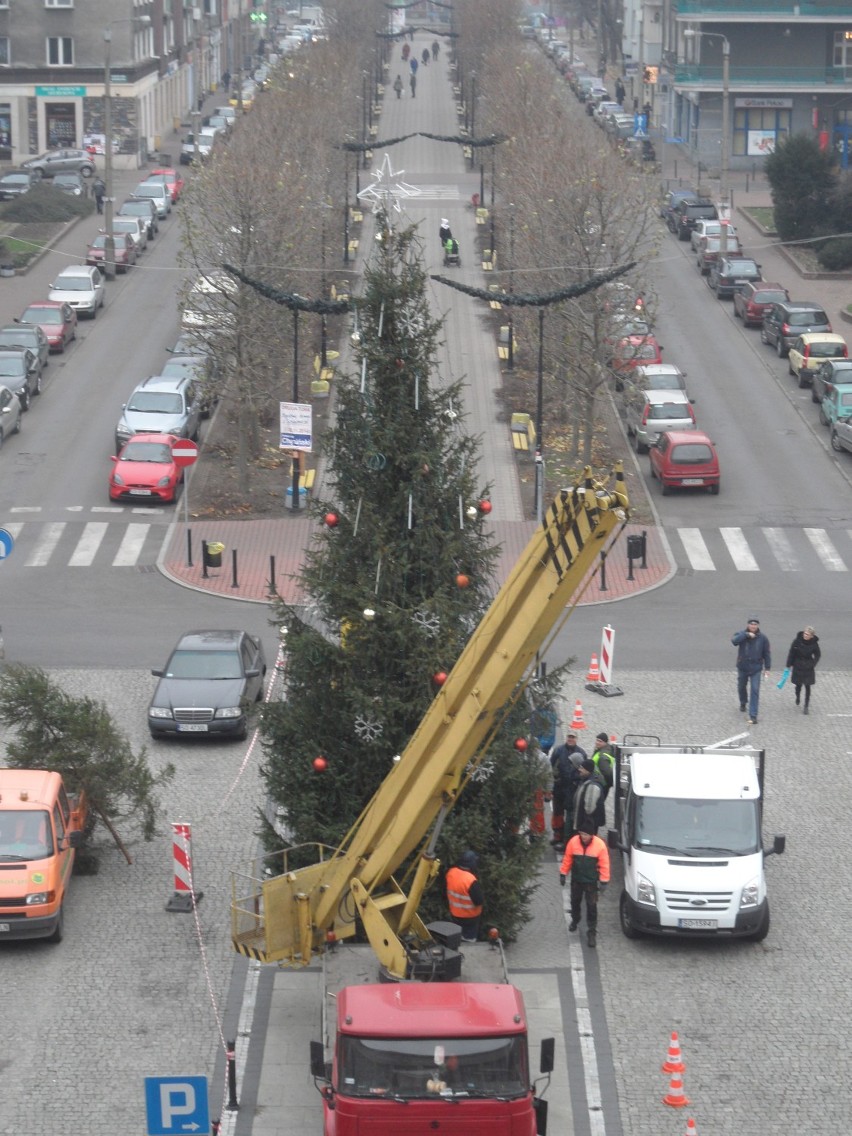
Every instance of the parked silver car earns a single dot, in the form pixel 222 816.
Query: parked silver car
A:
pixel 11 414
pixel 649 413
pixel 61 162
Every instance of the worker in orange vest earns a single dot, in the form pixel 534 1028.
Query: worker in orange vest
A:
pixel 587 859
pixel 464 895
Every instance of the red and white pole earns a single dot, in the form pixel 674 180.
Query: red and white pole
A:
pixel 607 651
pixel 184 897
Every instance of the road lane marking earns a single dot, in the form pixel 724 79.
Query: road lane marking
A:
pixel 88 544
pixel 131 546
pixel 50 537
pixel 696 550
pixel 825 550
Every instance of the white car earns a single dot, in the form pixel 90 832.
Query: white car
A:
pixel 137 229
pixel 82 287
pixel 158 192
pixel 10 414
pixel 705 227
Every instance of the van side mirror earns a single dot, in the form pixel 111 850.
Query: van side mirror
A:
pixel 548 1055
pixel 318 1065
pixel 779 844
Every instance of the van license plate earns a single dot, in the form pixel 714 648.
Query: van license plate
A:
pixel 5 927
pixel 698 924
pixel 192 728
pixel 693 481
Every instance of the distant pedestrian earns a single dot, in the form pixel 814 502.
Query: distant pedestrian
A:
pixel 406 51
pixel 397 86
pixel 99 192
pixel 424 58
pixel 444 233
pixel 587 859
pixel 619 92
pixel 589 798
pixel 753 660
pixel 412 63
pixel 802 658
pixel 226 80
pixel 436 47
pixel 412 82
pixel 464 895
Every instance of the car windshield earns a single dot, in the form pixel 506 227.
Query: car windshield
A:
pixel 73 284
pixel 692 453
pixel 156 402
pixel 25 835
pixel 148 191
pixel 741 268
pixel 136 208
pixel 205 664
pixel 42 315
pixel 697 827
pixel 11 367
pixel 15 179
pixel 429 1068
pixel 807 319
pixel 159 452
pixel 668 410
pixel 179 368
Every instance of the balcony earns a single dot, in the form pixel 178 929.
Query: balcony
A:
pixel 763 78
pixel 761 10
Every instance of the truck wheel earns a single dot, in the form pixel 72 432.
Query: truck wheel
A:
pixel 58 933
pixel 628 930
pixel 763 930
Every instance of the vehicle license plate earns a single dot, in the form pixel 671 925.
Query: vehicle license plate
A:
pixel 140 492
pixel 693 481
pixel 192 727
pixel 5 927
pixel 697 924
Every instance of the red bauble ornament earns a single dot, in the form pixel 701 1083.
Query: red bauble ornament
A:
pixel 485 507
pixel 320 764
pixel 462 581
pixel 440 678
pixel 332 520
pixel 520 744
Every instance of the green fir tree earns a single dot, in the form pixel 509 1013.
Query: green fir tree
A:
pixel 397 581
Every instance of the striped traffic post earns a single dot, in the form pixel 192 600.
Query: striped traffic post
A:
pixel 184 897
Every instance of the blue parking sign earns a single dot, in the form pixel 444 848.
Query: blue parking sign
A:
pixel 177 1105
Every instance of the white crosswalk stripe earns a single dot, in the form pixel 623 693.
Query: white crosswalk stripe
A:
pixel 739 550
pixel 696 550
pixel 88 544
pixel 782 550
pixel 761 549
pixel 79 544
pixel 826 551
pixel 50 538
pixel 131 546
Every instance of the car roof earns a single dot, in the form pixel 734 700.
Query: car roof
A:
pixel 688 437
pixel 151 438
pixel 171 383
pixel 661 397
pixel 659 369
pixel 75 270
pixel 209 640
pixel 801 305
pixel 822 337
pixel 21 325
pixel 46 304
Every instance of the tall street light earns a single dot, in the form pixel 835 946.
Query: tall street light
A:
pixel 724 151
pixel 109 200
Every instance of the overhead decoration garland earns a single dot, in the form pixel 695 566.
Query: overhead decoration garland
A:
pixel 544 299
pixel 461 139
pixel 291 300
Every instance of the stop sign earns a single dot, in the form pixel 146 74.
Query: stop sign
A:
pixel 185 452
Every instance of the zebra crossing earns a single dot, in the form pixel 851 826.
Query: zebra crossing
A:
pixel 117 542
pixel 763 549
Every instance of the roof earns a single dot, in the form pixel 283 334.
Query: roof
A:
pixel 209 640
pixel 688 437
pixel 431 1009
pixel 40 785
pixel 822 337
pixel 728 776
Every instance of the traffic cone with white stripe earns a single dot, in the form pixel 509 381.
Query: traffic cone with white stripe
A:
pixel 594 674
pixel 674 1061
pixel 691 1130
pixel 675 1097
pixel 578 722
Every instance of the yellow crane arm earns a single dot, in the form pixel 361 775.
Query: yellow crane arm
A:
pixel 288 917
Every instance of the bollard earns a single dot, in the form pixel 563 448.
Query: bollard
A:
pixel 644 548
pixel 189 548
pixel 271 586
pixel 603 586
pixel 629 565
pixel 182 898
pixel 233 1104
pixel 234 583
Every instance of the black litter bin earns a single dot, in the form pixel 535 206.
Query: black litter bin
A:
pixel 213 550
pixel 636 547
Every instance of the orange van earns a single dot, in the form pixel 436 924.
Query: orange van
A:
pixel 41 825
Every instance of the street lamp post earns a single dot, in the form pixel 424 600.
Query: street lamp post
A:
pixel 725 142
pixel 539 424
pixel 472 117
pixel 364 117
pixel 109 200
pixel 294 486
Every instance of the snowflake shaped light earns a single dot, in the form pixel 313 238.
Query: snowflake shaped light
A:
pixel 428 622
pixel 384 192
pixel 368 731
pixel 411 323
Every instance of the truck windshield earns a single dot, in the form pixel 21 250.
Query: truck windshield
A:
pixel 406 1067
pixel 697 828
pixel 25 835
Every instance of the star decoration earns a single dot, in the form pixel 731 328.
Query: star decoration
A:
pixel 385 192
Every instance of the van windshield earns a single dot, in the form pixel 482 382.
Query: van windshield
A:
pixel 25 835
pixel 687 827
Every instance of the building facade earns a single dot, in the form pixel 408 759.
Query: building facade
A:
pixel 160 55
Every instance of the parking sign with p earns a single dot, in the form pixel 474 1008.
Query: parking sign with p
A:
pixel 177 1105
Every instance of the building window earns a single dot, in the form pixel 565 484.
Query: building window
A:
pixel 59 3
pixel 4 51
pixel 60 51
pixel 759 130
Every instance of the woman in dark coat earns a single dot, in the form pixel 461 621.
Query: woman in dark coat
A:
pixel 802 658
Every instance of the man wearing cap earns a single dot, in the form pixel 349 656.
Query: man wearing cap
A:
pixel 589 798
pixel 464 895
pixel 587 859
pixel 753 660
pixel 564 761
pixel 604 761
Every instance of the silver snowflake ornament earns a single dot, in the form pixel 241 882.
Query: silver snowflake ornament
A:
pixel 428 622
pixel 368 731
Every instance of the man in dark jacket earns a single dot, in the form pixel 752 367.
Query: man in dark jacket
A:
pixel 802 658
pixel 564 761
pixel 587 859
pixel 464 895
pixel 753 660
pixel 589 798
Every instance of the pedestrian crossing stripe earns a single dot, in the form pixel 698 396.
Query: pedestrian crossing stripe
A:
pixel 704 552
pixel 79 545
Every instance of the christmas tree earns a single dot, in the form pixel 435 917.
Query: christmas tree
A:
pixel 399 578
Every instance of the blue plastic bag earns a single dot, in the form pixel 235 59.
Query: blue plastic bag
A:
pixel 783 678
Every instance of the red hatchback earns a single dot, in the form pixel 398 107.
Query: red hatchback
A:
pixel 124 251
pixel 56 319
pixel 145 469
pixel 753 300
pixel 685 459
pixel 173 180
pixel 635 351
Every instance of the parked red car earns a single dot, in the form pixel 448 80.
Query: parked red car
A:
pixel 145 469
pixel 125 251
pixel 685 459
pixel 635 351
pixel 755 299
pixel 56 319
pixel 173 179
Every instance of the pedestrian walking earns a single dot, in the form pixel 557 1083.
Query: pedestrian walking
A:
pixel 99 192
pixel 412 82
pixel 424 58
pixel 464 895
pixel 587 860
pixel 753 660
pixel 397 86
pixel 436 47
pixel 226 81
pixel 412 63
pixel 604 760
pixel 406 51
pixel 802 658
pixel 589 798
pixel 565 763
pixel 619 92
pixel 444 233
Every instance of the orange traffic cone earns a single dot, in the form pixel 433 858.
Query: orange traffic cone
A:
pixel 691 1130
pixel 578 722
pixel 674 1061
pixel 675 1096
pixel 594 674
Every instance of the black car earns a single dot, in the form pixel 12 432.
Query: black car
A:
pixel 672 200
pixel 828 374
pixel 683 218
pixel 20 372
pixel 730 273
pixel 784 323
pixel 208 685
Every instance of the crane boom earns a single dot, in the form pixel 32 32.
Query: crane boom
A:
pixel 288 917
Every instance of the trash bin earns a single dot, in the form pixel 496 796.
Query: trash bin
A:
pixel 7 270
pixel 635 547
pixel 213 550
